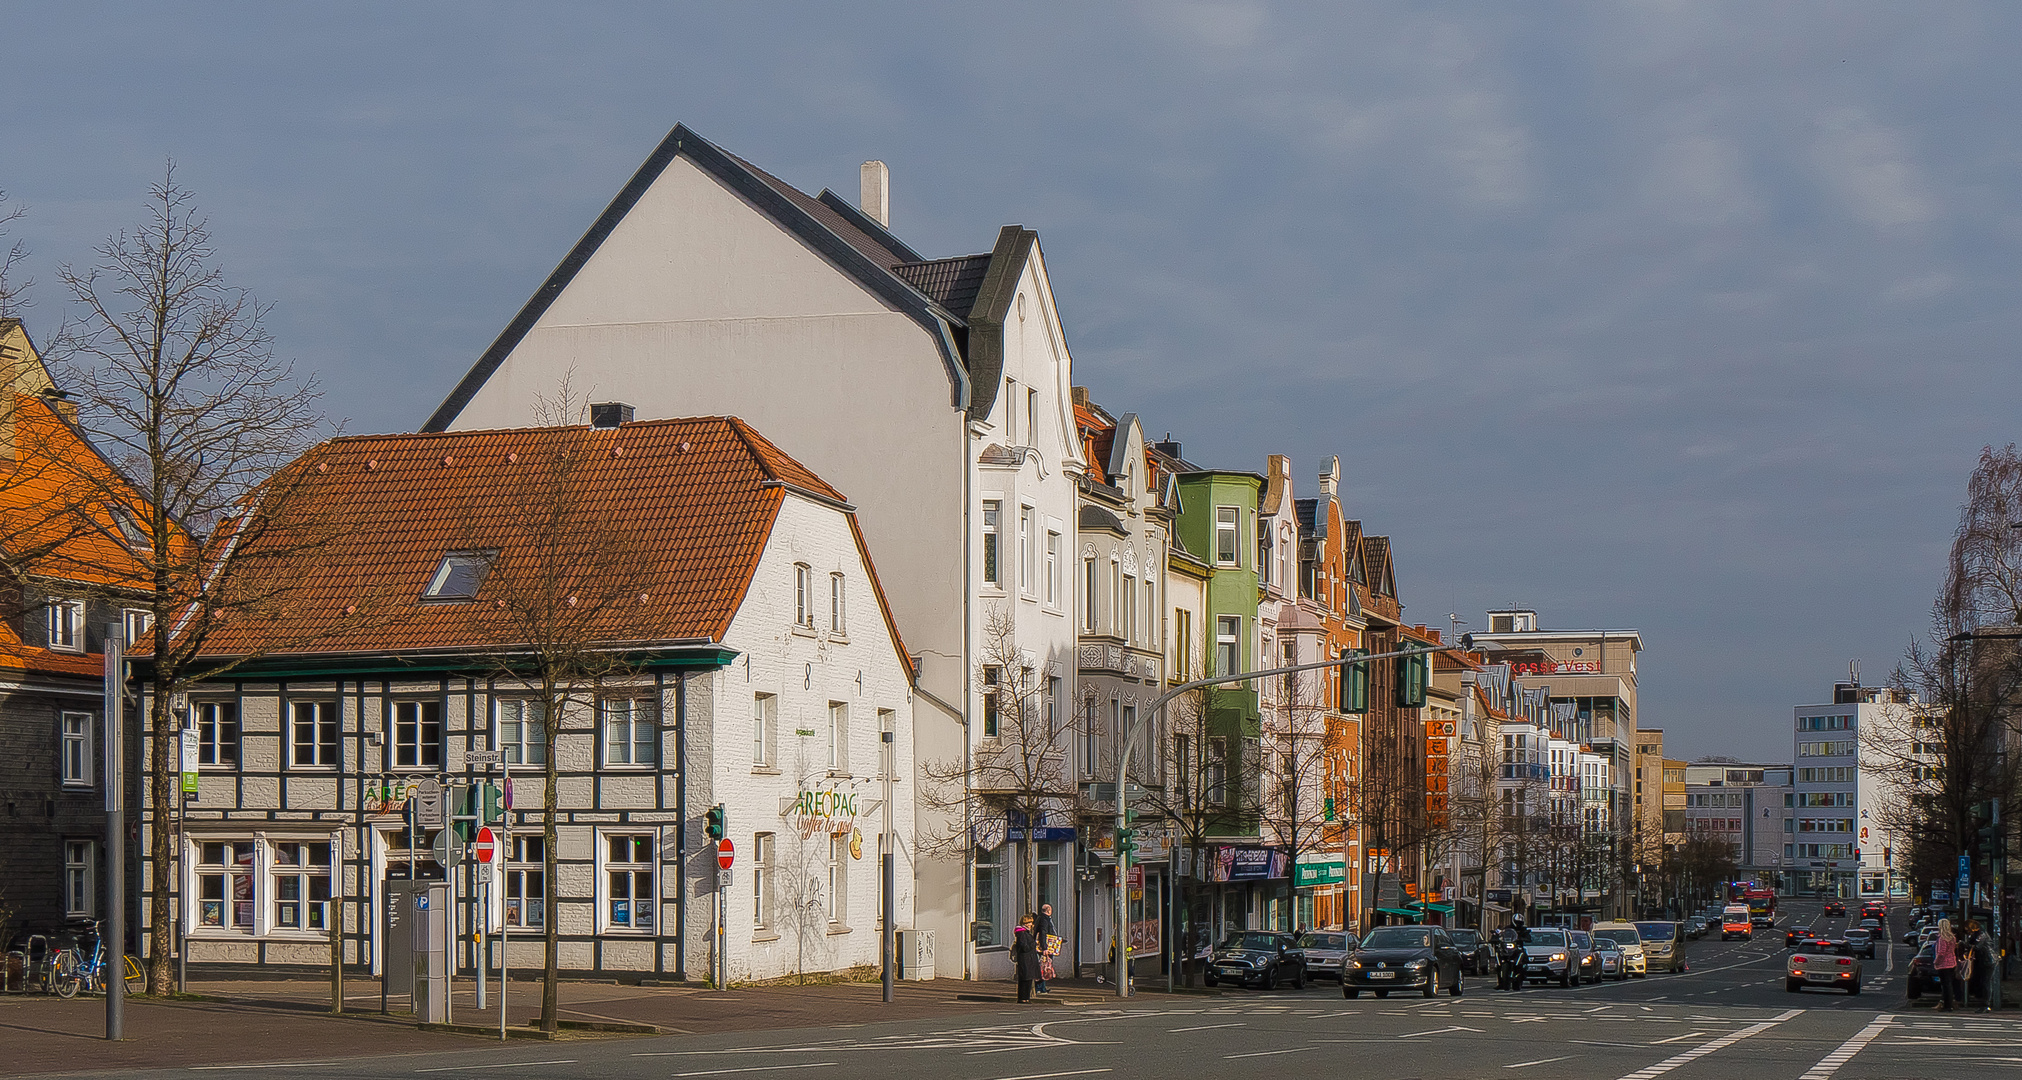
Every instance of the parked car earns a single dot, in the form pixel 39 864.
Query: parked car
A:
pixel 1835 910
pixel 1663 946
pixel 1823 962
pixel 1635 959
pixel 1325 950
pixel 1548 957
pixel 1923 975
pixel 1863 941
pixel 1608 955
pixel 1262 957
pixel 1796 934
pixel 1403 958
pixel 1477 956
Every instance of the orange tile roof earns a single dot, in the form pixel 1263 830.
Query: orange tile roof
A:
pixel 54 492
pixel 691 501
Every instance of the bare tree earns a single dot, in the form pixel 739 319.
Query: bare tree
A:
pixel 11 288
pixel 1945 747
pixel 181 388
pixel 561 574
pixel 1296 810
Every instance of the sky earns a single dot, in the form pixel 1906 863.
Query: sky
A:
pixel 1684 317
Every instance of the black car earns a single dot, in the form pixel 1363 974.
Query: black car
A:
pixel 1477 956
pixel 1264 958
pixel 1863 941
pixel 1403 958
pixel 1923 977
pixel 1835 910
pixel 1794 935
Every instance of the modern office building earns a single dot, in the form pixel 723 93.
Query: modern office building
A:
pixel 1840 845
pixel 1749 806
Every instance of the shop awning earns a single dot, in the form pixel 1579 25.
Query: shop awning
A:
pixel 1443 909
pixel 1406 913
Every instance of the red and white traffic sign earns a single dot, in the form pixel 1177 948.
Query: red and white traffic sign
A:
pixel 487 846
pixel 725 853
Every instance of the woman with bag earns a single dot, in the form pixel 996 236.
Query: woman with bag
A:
pixel 1945 962
pixel 1025 958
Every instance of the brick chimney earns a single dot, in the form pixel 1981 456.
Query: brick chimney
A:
pixel 874 192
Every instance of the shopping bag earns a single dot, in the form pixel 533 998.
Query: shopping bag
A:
pixel 1054 943
pixel 1045 967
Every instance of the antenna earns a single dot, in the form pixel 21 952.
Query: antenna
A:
pixel 1454 618
pixel 1853 670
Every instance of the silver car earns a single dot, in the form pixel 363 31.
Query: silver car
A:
pixel 1325 950
pixel 1608 957
pixel 1548 957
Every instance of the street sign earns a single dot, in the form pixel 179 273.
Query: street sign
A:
pixel 447 850
pixel 483 873
pixel 487 847
pixel 428 809
pixel 725 853
pixel 485 757
pixel 189 748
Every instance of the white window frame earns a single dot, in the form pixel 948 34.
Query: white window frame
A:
pixel 993 544
pixel 77 735
pixel 993 683
pixel 838 612
pixel 1092 585
pixel 1228 644
pixel 1028 559
pixel 1053 552
pixel 839 738
pixel 217 734
pixel 838 881
pixel 305 874
pixel 524 863
pixel 80 879
pixel 322 718
pixel 426 751
pixel 1128 607
pixel 139 623
pixel 764 848
pixel 237 915
pixel 63 625
pixel 639 720
pixel 634 868
pixel 764 730
pixel 803 596
pixel 1228 527
pixel 521 716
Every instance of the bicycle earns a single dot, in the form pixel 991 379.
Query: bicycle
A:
pixel 74 973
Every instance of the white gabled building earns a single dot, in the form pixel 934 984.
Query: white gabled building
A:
pixel 935 391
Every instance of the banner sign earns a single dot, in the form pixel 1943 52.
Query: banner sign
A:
pixel 1247 864
pixel 1321 873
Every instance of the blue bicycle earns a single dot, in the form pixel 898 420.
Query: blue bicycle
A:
pixel 74 973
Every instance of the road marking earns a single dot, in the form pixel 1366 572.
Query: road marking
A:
pixel 268 1065
pixel 1440 1031
pixel 501 1065
pixel 1265 1053
pixel 761 1068
pixel 1049 1076
pixel 1540 1061
pixel 1678 1038
pixel 1830 1063
pixel 1205 1027
pixel 1704 1049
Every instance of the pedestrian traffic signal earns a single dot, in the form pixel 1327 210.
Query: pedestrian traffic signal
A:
pixel 1354 689
pixel 1126 841
pixel 1413 672
pixel 713 823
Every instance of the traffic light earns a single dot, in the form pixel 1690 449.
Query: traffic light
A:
pixel 1126 841
pixel 713 823
pixel 1328 808
pixel 1354 691
pixel 1413 672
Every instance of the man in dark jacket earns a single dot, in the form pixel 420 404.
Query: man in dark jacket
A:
pixel 1042 936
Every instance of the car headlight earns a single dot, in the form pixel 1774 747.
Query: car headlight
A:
pixel 1356 964
pixel 1418 965
pixel 1558 956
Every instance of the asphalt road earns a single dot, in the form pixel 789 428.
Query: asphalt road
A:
pixel 1729 1018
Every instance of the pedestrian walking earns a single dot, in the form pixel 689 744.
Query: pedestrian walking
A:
pixel 1025 958
pixel 1976 965
pixel 1946 963
pixel 1049 945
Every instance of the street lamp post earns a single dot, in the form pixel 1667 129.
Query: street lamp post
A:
pixel 1119 937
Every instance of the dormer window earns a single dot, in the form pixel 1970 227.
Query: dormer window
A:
pixel 65 623
pixel 130 531
pixel 460 575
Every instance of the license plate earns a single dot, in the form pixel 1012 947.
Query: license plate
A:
pixel 1234 971
pixel 1382 974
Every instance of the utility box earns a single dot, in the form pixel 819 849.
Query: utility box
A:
pixel 916 955
pixel 430 922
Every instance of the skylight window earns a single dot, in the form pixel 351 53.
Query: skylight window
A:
pixel 459 575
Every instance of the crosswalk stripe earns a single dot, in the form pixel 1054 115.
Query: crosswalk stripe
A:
pixel 1830 1063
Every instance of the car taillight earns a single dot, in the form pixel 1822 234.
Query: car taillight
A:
pixel 1800 960
pixel 1846 963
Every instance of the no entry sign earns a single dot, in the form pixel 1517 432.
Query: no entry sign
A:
pixel 725 854
pixel 487 846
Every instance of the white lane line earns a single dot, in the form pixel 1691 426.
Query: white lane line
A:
pixel 268 1065
pixel 1540 1061
pixel 761 1068
pixel 1697 1052
pixel 1049 1076
pixel 1265 1053
pixel 1678 1038
pixel 1830 1063
pixel 1205 1027
pixel 502 1065
pixel 1439 1031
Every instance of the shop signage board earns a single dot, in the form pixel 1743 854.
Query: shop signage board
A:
pixel 428 806
pixel 1321 873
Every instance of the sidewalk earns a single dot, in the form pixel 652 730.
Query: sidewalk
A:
pixel 240 1022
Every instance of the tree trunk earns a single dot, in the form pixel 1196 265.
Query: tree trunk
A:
pixel 161 848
